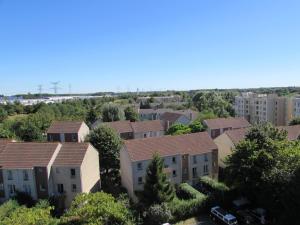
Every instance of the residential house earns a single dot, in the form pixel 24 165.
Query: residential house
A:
pixel 48 169
pixel 227 141
pixel 139 129
pixel 218 126
pixel 261 108
pixel 186 157
pixel 67 131
pixel 171 118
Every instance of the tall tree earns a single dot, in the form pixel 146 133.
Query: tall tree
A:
pixel 157 188
pixel 131 114
pixel 111 113
pixel 3 114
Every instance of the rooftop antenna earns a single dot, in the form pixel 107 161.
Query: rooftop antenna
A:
pixel 40 89
pixel 55 86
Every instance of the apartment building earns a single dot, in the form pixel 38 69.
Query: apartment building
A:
pixel 218 126
pixel 227 141
pixel 139 129
pixel 260 108
pixel 67 131
pixel 48 169
pixel 296 106
pixel 186 157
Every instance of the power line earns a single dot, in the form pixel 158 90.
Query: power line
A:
pixel 55 86
pixel 40 89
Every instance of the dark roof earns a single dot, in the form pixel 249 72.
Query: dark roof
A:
pixel 64 127
pixel 27 154
pixel 71 154
pixel 230 122
pixel 143 149
pixel 171 117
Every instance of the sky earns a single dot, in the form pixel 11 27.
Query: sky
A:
pixel 153 45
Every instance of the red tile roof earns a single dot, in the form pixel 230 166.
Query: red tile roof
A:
pixel 71 154
pixel 171 117
pixel 64 127
pixel 143 149
pixel 120 126
pixel 230 122
pixel 27 154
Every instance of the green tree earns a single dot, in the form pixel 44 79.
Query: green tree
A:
pixel 196 126
pixel 3 114
pixel 91 116
pixel 131 114
pixel 97 208
pixel 157 188
pixel 108 143
pixel 177 129
pixel 111 113
pixel 294 121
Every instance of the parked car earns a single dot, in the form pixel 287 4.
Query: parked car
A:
pixel 221 216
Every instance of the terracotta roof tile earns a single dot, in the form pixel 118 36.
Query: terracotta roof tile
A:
pixel 143 149
pixel 218 123
pixel 27 154
pixel 64 127
pixel 71 154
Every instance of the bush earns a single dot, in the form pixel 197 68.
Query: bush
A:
pixel 24 199
pixel 158 214
pixel 189 202
pixel 210 185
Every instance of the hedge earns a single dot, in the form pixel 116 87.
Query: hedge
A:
pixel 188 203
pixel 212 185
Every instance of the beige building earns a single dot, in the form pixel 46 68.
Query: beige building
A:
pixel 48 169
pixel 296 106
pixel 227 141
pixel 186 157
pixel 67 131
pixel 218 126
pixel 260 108
pixel 139 129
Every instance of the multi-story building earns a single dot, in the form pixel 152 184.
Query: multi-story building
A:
pixel 139 129
pixel 48 169
pixel 260 108
pixel 296 106
pixel 67 131
pixel 186 157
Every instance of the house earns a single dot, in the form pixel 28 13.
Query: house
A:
pixel 218 126
pixel 186 157
pixel 171 118
pixel 227 141
pixel 139 129
pixel 67 131
pixel 48 169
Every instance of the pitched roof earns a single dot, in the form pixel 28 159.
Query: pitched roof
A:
pixel 65 127
pixel 219 123
pixel 171 117
pixel 293 131
pixel 143 149
pixel 71 154
pixel 236 135
pixel 120 126
pixel 3 143
pixel 27 154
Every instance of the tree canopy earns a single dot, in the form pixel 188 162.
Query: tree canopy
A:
pixel 111 113
pixel 131 114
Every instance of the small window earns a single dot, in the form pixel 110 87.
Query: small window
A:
pixel 25 175
pixel 73 173
pixel 9 175
pixel 205 158
pixel 11 189
pixel 42 187
pixel 60 188
pixel 74 137
pixel 205 169
pixel 195 173
pixel 139 166
pixel 194 159
pixel 74 188
pixel 174 160
pixel 140 180
pixel 145 135
pixel 174 173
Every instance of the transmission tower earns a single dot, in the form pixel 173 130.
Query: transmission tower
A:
pixel 55 86
pixel 40 89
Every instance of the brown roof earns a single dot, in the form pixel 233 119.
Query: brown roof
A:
pixel 293 131
pixel 230 122
pixel 3 143
pixel 138 126
pixel 27 155
pixel 71 154
pixel 171 117
pixel 64 127
pixel 143 149
pixel 236 135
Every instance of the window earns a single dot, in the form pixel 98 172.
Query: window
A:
pixel 42 187
pixel 73 173
pixel 205 158
pixel 74 137
pixel 9 175
pixel 194 159
pixel 11 189
pixel 139 166
pixel 140 180
pixel 60 188
pixel 174 173
pixel 205 169
pixel 174 160
pixel 25 175
pixel 195 174
pixel 74 188
pixel 145 135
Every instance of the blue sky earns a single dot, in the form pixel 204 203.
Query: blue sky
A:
pixel 121 45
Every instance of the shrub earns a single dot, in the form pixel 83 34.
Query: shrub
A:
pixel 158 214
pixel 211 185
